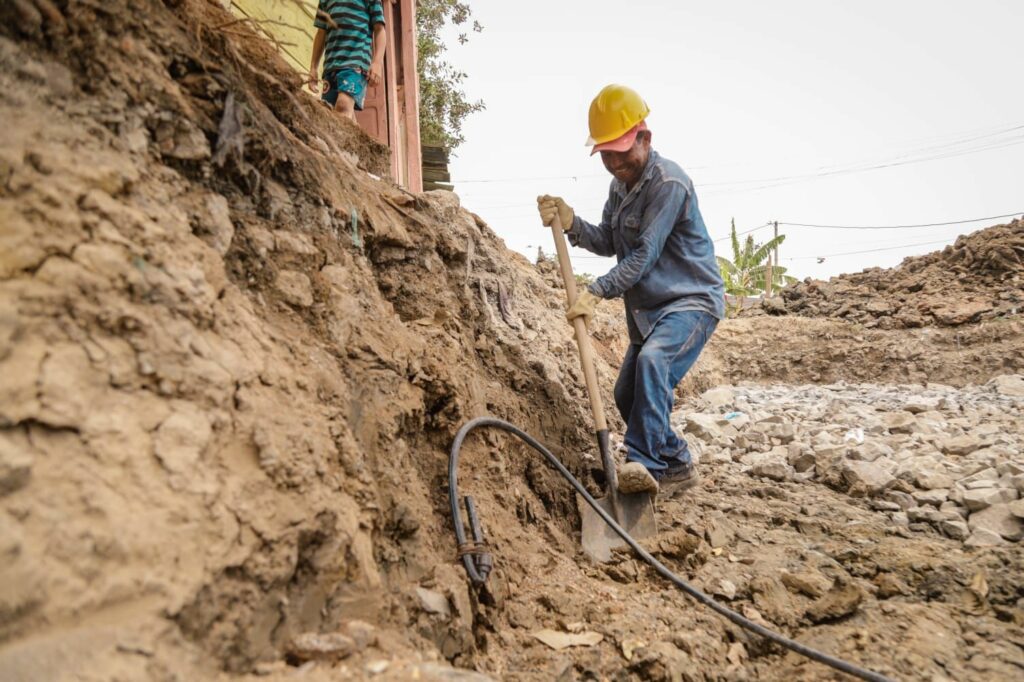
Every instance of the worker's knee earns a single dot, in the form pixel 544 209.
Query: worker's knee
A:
pixel 651 360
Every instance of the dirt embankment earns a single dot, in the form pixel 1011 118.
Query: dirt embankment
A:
pixel 233 361
pixel 979 278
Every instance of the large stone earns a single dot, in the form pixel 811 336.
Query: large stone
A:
pixel 899 422
pixel 1017 508
pixel 933 480
pixel 998 519
pixel 871 450
pixel 981 485
pixel 802 461
pixel 313 646
pixel 217 222
pixel 434 602
pixel 179 138
pixel 785 432
pixel 15 462
pixel 919 405
pixel 1009 385
pixel 294 242
pixel 866 478
pixel 983 538
pixel 774 469
pixel 294 288
pixel 931 497
pixel 960 445
pixel 704 426
pixel 901 498
pixel 811 584
pixel 719 398
pixel 955 313
pixel 987 474
pixel 982 498
pixel 840 602
pixel 925 515
pixel 724 588
pixel 718 530
pixel 952 528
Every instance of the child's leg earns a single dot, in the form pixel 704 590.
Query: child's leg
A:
pixel 346 106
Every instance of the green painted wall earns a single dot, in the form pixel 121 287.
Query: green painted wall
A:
pixel 290 22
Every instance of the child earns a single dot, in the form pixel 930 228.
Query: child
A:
pixel 352 34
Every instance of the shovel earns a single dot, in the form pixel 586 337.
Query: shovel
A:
pixel 635 512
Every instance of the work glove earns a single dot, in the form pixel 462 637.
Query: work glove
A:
pixel 550 206
pixel 583 306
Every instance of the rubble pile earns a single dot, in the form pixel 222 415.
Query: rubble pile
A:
pixel 978 278
pixel 932 458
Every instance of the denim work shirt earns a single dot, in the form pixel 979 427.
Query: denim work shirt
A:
pixel 666 261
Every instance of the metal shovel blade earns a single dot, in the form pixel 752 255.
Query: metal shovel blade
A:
pixel 636 517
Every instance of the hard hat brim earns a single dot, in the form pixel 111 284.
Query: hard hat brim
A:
pixel 619 144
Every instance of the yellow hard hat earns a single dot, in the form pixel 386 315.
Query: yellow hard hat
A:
pixel 614 112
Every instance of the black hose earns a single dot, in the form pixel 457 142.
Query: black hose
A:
pixel 729 614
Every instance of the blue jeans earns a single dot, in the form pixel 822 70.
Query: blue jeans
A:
pixel 645 389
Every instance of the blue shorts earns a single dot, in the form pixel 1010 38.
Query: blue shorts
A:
pixel 349 81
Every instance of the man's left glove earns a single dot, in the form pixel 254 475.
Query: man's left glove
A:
pixel 584 306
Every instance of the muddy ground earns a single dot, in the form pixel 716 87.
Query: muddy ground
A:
pixel 233 361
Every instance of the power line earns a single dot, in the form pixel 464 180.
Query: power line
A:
pixel 852 253
pixel 853 227
pixel 931 152
pixel 898 160
pixel 901 227
pixel 740 234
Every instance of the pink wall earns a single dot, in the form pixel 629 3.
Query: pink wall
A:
pixel 391 111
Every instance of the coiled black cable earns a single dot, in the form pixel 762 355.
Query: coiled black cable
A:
pixel 478 577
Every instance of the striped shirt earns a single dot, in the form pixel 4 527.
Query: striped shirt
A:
pixel 350 45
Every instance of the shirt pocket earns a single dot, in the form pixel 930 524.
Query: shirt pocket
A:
pixel 632 225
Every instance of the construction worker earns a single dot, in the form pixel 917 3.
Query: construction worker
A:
pixel 353 36
pixel 666 273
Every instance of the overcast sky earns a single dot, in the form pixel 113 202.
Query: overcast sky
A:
pixel 743 93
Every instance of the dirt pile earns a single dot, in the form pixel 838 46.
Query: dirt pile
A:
pixel 980 277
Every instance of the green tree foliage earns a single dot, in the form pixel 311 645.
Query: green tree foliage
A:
pixel 443 102
pixel 746 273
pixel 584 279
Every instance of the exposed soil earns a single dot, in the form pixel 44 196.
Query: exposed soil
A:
pixel 233 363
pixel 980 277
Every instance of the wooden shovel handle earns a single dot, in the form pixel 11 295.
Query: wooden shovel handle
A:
pixel 582 338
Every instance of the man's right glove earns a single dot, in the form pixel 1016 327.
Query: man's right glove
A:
pixel 550 206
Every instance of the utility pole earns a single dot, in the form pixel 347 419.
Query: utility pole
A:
pixel 776 224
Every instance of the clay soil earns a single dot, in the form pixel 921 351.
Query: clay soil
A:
pixel 980 277
pixel 233 360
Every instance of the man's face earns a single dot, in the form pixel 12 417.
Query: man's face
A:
pixel 628 166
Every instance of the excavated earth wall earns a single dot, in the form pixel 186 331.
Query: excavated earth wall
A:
pixel 233 361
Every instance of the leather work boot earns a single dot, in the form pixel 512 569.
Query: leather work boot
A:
pixel 635 478
pixel 677 479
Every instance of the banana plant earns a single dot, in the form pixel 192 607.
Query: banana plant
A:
pixel 746 273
